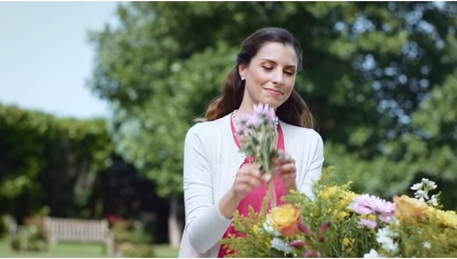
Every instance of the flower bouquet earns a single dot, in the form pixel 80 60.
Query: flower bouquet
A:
pixel 341 223
pixel 337 222
pixel 257 134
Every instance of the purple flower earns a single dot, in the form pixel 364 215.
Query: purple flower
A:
pixel 311 253
pixel 297 243
pixel 368 204
pixel 304 228
pixel 324 227
pixel 253 120
pixel 384 207
pixel 262 115
pixel 367 223
pixel 385 217
pixel 362 204
pixel 265 111
pixel 257 135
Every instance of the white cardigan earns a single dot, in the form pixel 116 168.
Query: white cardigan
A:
pixel 211 161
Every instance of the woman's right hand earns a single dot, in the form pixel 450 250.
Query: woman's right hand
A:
pixel 247 179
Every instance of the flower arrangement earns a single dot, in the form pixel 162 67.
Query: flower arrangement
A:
pixel 336 222
pixel 257 134
pixel 340 223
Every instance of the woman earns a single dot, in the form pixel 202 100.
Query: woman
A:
pixel 218 179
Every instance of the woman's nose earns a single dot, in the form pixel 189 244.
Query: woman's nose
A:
pixel 278 77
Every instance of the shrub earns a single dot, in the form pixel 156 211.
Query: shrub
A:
pixel 138 250
pixel 28 239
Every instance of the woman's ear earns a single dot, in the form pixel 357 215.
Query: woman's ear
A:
pixel 242 71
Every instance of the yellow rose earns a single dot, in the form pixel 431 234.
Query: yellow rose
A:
pixel 408 209
pixel 284 218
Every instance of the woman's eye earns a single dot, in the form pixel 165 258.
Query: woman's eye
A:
pixel 267 68
pixel 290 73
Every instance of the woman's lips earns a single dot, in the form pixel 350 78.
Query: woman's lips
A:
pixel 274 91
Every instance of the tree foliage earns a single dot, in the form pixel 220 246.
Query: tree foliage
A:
pixel 378 75
pixel 48 165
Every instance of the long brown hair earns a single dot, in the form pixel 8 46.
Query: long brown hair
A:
pixel 294 110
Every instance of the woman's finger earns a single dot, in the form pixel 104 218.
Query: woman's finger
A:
pixel 250 175
pixel 282 158
pixel 287 168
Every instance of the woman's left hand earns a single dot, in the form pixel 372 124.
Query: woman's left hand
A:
pixel 286 169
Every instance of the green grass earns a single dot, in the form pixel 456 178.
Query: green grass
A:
pixel 76 250
pixel 165 251
pixel 68 250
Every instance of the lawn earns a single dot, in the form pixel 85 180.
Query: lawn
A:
pixel 76 250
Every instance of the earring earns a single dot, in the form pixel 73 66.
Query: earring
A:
pixel 242 78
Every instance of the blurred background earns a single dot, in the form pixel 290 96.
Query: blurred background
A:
pixel 381 78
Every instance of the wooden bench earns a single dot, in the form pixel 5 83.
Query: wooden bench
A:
pixel 79 230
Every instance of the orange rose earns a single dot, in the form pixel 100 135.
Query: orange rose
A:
pixel 284 218
pixel 408 209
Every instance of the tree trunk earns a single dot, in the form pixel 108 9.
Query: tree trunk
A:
pixel 174 226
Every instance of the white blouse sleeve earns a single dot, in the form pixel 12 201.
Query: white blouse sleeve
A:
pixel 205 223
pixel 312 165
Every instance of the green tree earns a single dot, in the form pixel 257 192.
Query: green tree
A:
pixel 48 164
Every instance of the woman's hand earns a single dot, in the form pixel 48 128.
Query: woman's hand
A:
pixel 286 169
pixel 247 179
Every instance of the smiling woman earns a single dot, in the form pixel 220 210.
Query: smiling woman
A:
pixel 218 180
pixel 270 76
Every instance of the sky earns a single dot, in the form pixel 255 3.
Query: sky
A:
pixel 46 59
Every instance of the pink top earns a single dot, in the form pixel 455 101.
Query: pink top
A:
pixel 255 198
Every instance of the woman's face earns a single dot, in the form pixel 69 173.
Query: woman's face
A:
pixel 270 77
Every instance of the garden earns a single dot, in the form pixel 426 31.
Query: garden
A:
pixel 33 240
pixel 380 78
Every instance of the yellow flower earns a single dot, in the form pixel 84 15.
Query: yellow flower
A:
pixel 342 207
pixel 445 218
pixel 328 192
pixel 368 216
pixel 255 230
pixel 348 244
pixel 408 209
pixel 267 242
pixel 335 193
pixel 348 197
pixel 340 214
pixel 284 218
pixel 348 241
